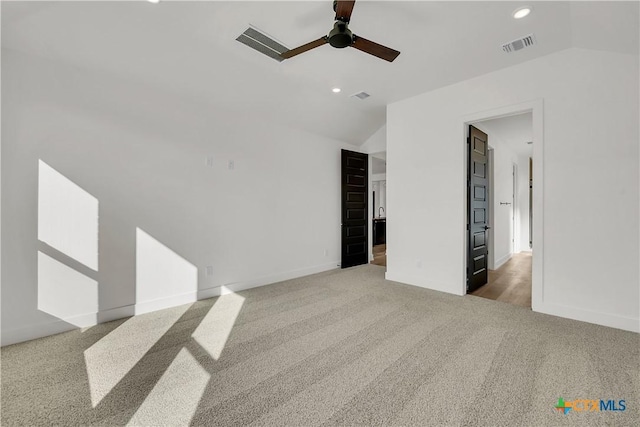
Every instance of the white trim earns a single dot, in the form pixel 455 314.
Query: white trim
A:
pixel 167 302
pixel 57 326
pixel 115 313
pixel 491 239
pixel 14 336
pixel 595 317
pixel 267 280
pixel 515 220
pixel 500 262
pixel 536 107
pixel 419 281
pixel 369 209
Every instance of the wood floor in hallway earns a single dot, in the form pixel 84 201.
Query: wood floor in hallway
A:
pixel 380 255
pixel 511 282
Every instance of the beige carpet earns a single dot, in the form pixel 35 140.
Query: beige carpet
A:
pixel 338 348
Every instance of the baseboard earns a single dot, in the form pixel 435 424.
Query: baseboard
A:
pixel 500 262
pixel 14 336
pixel 57 326
pixel 116 313
pixel 595 317
pixel 167 302
pixel 266 280
pixel 419 282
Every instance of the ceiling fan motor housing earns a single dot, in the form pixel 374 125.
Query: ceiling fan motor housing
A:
pixel 340 36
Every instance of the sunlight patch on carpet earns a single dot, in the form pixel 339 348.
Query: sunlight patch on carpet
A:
pixel 175 398
pixel 212 334
pixel 110 359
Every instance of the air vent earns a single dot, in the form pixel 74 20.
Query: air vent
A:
pixel 262 43
pixel 361 95
pixel 519 44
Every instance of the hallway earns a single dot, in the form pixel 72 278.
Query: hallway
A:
pixel 380 255
pixel 511 282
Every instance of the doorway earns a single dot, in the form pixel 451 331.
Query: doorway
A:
pixel 499 222
pixel 379 207
pixel 355 195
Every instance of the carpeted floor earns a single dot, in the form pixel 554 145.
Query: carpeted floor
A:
pixel 337 348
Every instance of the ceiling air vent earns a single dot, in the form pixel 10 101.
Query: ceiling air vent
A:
pixel 518 44
pixel 262 43
pixel 361 95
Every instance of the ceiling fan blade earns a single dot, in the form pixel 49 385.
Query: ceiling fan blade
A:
pixel 375 49
pixel 343 10
pixel 305 47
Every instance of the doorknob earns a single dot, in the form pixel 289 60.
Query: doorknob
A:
pixel 486 227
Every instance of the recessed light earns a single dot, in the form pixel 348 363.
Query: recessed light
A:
pixel 521 12
pixel 336 90
pixel 153 1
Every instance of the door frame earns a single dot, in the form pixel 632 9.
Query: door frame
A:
pixel 515 223
pixel 536 107
pixel 491 231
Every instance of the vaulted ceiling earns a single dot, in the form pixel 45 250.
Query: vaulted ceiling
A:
pixel 515 131
pixel 190 47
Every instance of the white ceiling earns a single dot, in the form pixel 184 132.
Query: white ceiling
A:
pixel 514 131
pixel 190 48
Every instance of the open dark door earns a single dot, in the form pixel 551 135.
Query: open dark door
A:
pixel 355 230
pixel 478 203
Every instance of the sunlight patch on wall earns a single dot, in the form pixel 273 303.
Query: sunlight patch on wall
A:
pixel 160 272
pixel 65 293
pixel 67 216
pixel 110 359
pixel 212 334
pixel 163 403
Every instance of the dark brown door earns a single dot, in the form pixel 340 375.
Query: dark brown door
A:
pixel 355 230
pixel 478 204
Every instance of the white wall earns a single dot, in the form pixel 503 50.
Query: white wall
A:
pixel 589 266
pixel 142 152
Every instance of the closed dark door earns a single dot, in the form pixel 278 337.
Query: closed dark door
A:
pixel 355 234
pixel 477 218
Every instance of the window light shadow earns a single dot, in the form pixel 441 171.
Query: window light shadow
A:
pixel 114 356
pixel 180 346
pixel 67 216
pixel 214 331
pixel 161 274
pixel 65 293
pixel 171 408
pixel 68 230
pixel 157 371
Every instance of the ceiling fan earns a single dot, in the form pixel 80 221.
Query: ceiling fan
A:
pixel 340 37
